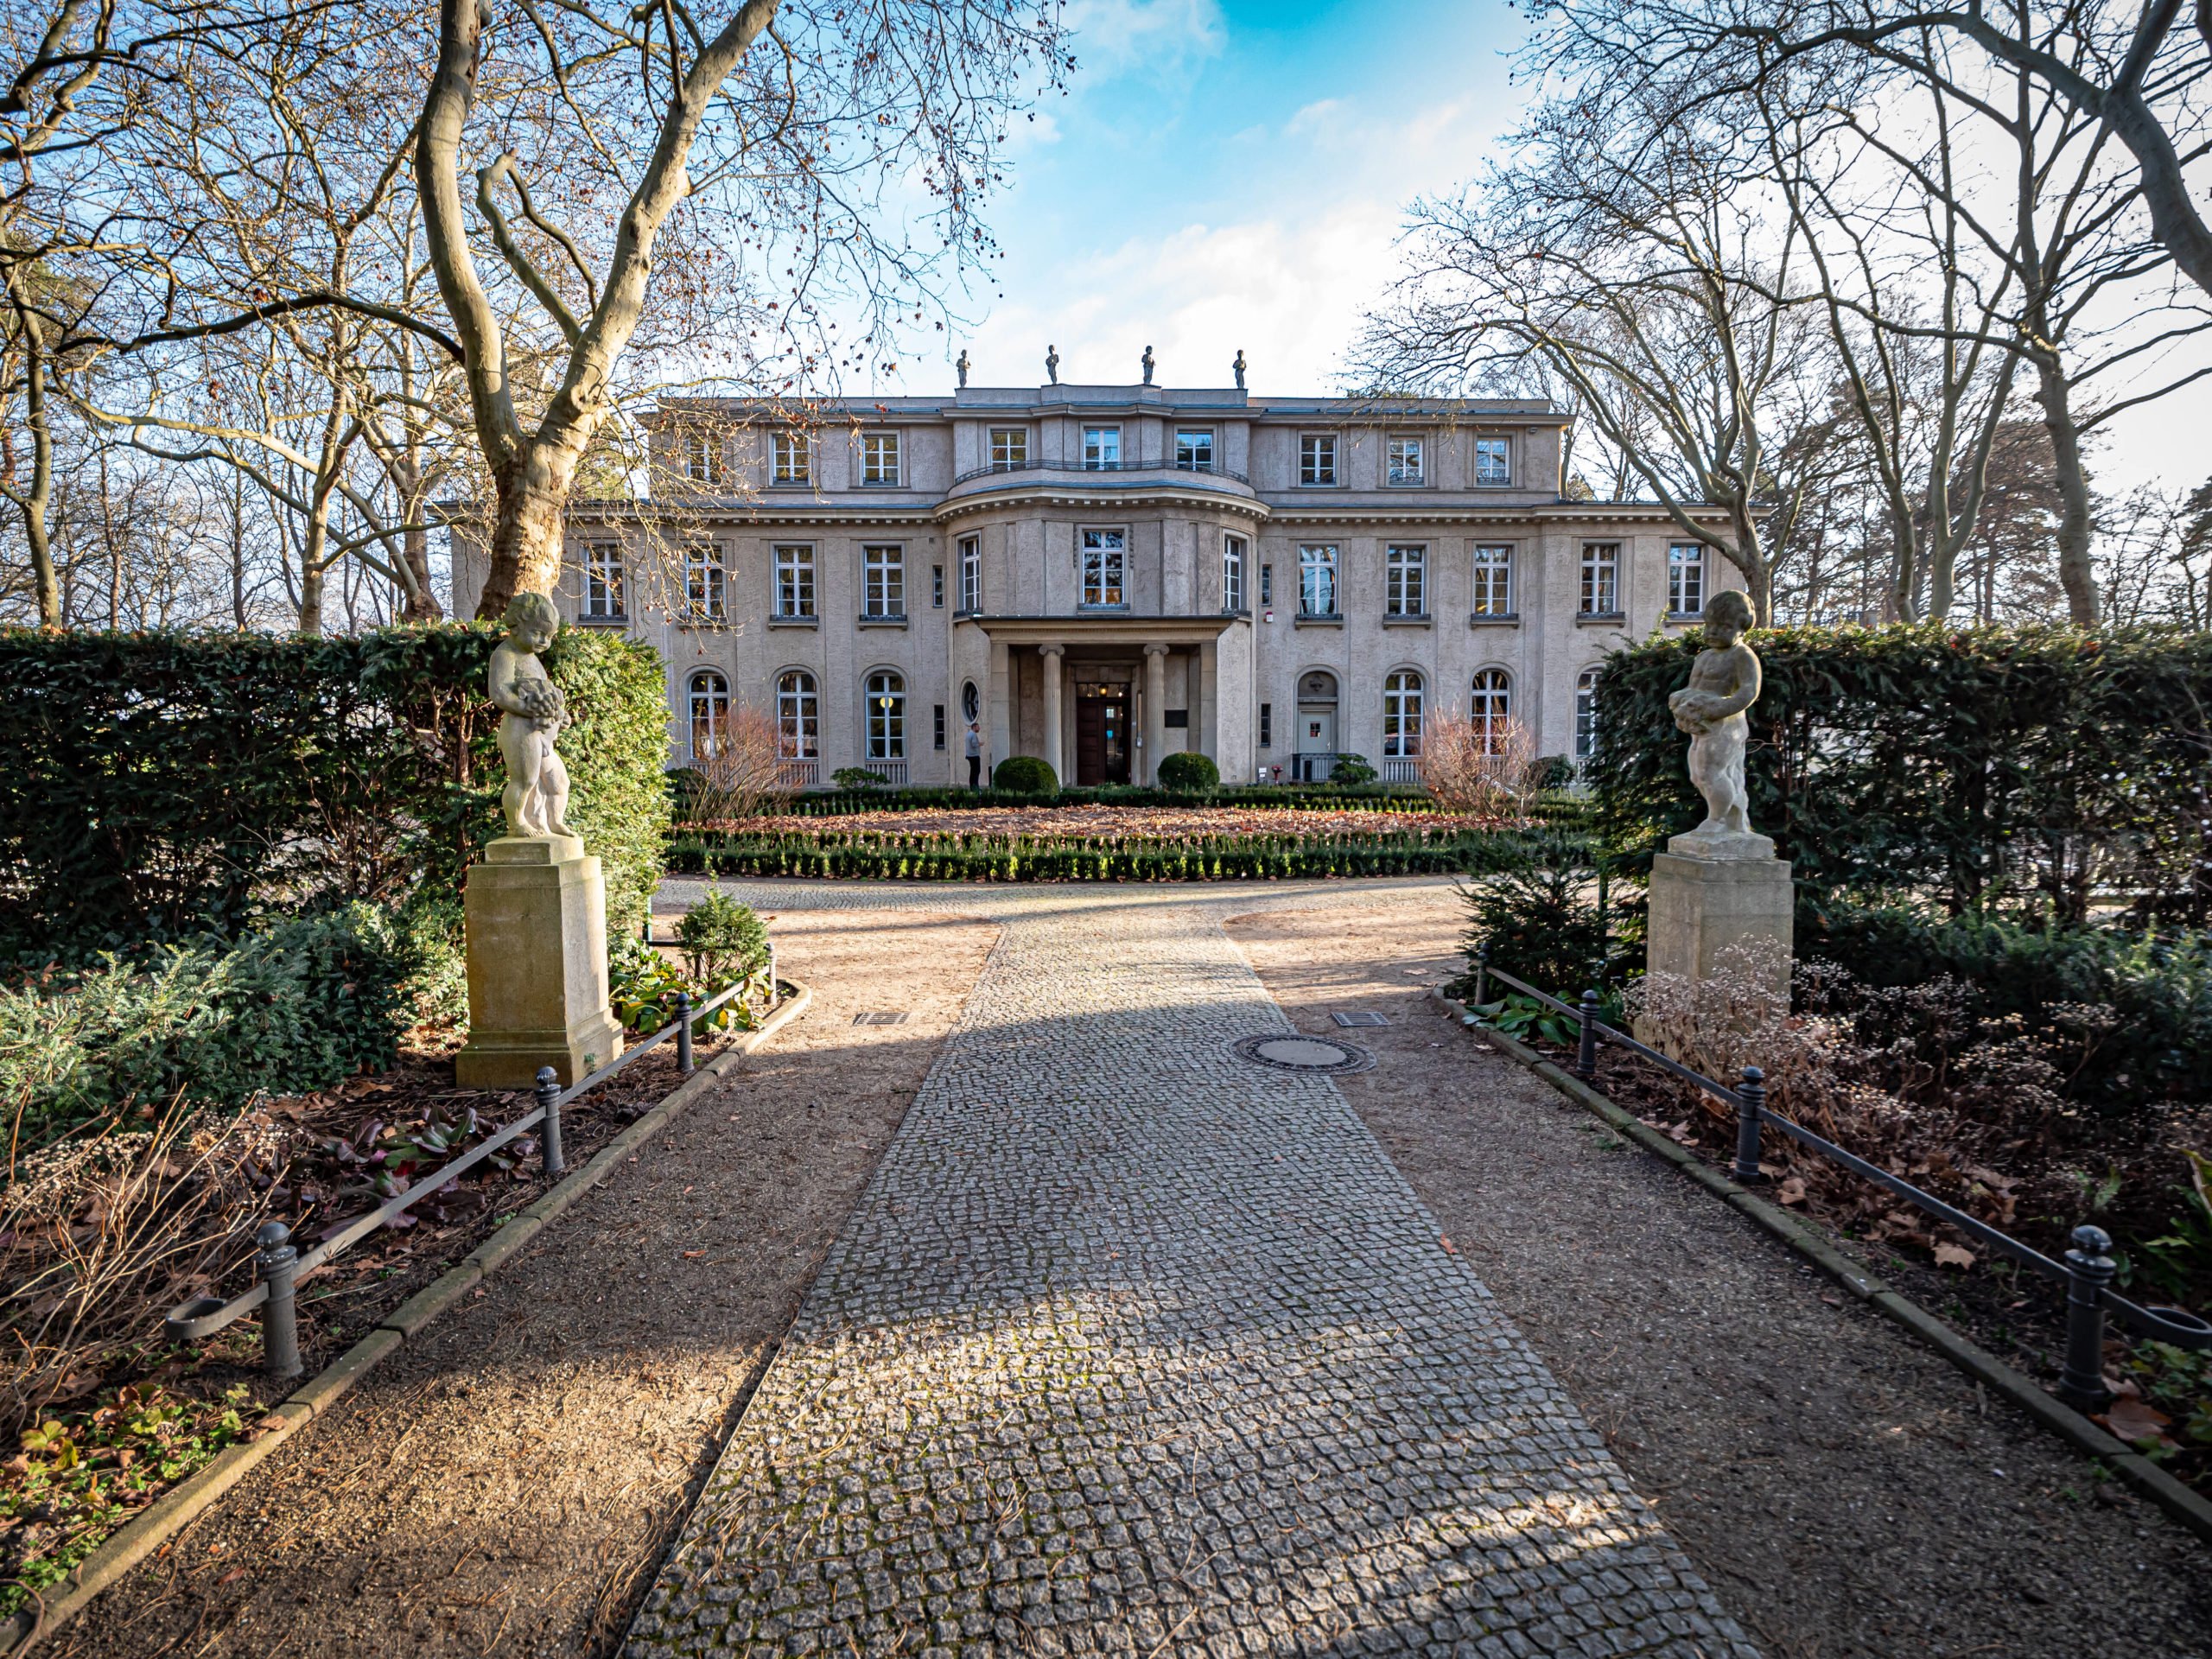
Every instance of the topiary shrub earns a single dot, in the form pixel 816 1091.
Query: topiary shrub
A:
pixel 1189 773
pixel 1351 770
pixel 1025 774
pixel 856 777
pixel 723 941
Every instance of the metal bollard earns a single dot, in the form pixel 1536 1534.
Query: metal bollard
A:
pixel 683 1033
pixel 775 991
pixel 548 1097
pixel 1482 975
pixel 276 1266
pixel 2088 1270
pixel 1750 1093
pixel 1586 1059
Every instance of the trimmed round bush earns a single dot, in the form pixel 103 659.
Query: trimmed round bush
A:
pixel 1189 772
pixel 1025 774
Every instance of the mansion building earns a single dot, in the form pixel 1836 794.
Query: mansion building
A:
pixel 1102 575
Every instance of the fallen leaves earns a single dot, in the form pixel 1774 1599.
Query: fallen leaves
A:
pixel 1953 1255
pixel 2132 1420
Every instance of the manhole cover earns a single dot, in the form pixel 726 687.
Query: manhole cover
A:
pixel 1293 1052
pixel 882 1017
pixel 1359 1017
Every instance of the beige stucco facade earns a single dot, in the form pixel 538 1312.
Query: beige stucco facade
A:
pixel 1110 573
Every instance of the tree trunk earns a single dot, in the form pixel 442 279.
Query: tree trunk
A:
pixel 532 502
pixel 2076 572
pixel 34 502
pixel 422 604
pixel 310 596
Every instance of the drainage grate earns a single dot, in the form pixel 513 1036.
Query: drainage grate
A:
pixel 1359 1017
pixel 882 1017
pixel 1291 1050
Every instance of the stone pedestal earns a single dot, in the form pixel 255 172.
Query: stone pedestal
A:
pixel 1710 891
pixel 537 914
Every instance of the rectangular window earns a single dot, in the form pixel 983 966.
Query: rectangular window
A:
pixel 1267 585
pixel 1405 582
pixel 792 458
pixel 1601 569
pixel 704 594
pixel 1102 553
pixel 936 587
pixel 880 458
pixel 1101 448
pixel 1267 725
pixel 702 459
pixel 883 581
pixel 1317 581
pixel 1194 449
pixel 1232 573
pixel 1009 448
pixel 971 575
pixel 1493 581
pixel 937 715
pixel 1685 579
pixel 1404 457
pixel 603 582
pixel 795 581
pixel 1493 462
pixel 1316 459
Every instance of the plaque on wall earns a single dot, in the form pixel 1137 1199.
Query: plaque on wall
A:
pixel 1177 719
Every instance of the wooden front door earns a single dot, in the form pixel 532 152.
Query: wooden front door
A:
pixel 1101 739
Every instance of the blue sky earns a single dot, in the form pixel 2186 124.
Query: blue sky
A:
pixel 1226 174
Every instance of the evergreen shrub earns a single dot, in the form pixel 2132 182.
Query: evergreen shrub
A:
pixel 1025 774
pixel 1188 772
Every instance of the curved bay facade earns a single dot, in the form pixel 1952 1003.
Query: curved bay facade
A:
pixel 1102 575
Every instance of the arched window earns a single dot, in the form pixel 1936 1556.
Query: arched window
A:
pixel 709 697
pixel 798 722
pixel 886 717
pixel 1492 707
pixel 1402 715
pixel 1585 713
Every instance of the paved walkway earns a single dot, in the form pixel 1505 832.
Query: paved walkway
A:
pixel 1132 1346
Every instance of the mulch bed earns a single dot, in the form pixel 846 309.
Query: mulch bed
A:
pixel 1130 822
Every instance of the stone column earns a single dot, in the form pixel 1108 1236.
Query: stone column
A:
pixel 1155 710
pixel 998 710
pixel 1052 654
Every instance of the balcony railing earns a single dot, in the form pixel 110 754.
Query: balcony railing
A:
pixel 1406 771
pixel 893 772
pixel 1211 469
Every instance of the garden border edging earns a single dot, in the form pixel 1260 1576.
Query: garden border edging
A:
pixel 2190 1508
pixel 193 1496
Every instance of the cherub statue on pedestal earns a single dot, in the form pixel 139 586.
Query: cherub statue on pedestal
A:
pixel 1724 682
pixel 536 799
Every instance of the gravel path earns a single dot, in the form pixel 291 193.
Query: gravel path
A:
pixel 1847 1492
pixel 1134 1346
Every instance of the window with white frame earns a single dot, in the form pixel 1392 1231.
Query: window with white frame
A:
pixel 1405 582
pixel 1101 448
pixel 1405 458
pixel 1317 580
pixel 971 575
pixel 705 596
pixel 1685 579
pixel 1493 461
pixel 1194 449
pixel 1317 459
pixel 1009 448
pixel 702 458
pixel 790 457
pixel 1490 707
pixel 1402 715
pixel 1232 573
pixel 1585 713
pixel 795 580
pixel 1493 580
pixel 886 717
pixel 603 597
pixel 798 715
pixel 1601 573
pixel 883 581
pixel 880 458
pixel 1105 552
pixel 709 696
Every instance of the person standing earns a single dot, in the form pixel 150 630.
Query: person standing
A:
pixel 975 755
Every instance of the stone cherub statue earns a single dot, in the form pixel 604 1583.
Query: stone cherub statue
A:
pixel 536 799
pixel 1052 364
pixel 962 366
pixel 1724 682
pixel 1148 365
pixel 1238 368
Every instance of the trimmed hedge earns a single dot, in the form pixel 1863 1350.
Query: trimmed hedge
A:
pixel 1377 798
pixel 884 856
pixel 157 787
pixel 1025 774
pixel 2021 770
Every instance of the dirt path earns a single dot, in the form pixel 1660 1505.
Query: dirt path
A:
pixel 1846 1492
pixel 508 1485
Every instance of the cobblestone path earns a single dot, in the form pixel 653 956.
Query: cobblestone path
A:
pixel 1133 1347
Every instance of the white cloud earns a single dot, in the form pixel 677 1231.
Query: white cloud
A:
pixel 1149 39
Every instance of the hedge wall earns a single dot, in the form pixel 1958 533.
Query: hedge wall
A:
pixel 160 786
pixel 2009 771
pixel 1378 798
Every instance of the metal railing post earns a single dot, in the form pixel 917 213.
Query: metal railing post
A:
pixel 1586 1059
pixel 275 1265
pixel 683 1033
pixel 1482 973
pixel 775 996
pixel 549 1097
pixel 2088 1270
pixel 1751 1096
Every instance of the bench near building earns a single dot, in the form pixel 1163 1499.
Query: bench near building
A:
pixel 1104 574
